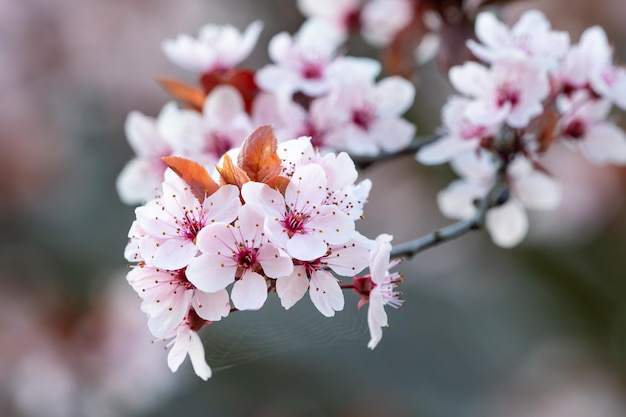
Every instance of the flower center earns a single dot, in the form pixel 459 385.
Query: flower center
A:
pixel 312 71
pixel 246 258
pixel 218 144
pixel 317 136
pixel 507 94
pixel 363 117
pixel 576 129
pixel 294 223
pixel 471 131
pixel 191 226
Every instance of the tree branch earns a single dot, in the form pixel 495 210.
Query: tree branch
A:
pixel 496 195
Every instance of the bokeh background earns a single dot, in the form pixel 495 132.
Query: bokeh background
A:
pixel 539 330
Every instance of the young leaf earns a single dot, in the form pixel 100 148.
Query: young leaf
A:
pixel 242 79
pixel 231 173
pixel 186 94
pixel 279 183
pixel 258 157
pixel 194 174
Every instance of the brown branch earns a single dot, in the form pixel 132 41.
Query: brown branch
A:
pixel 496 195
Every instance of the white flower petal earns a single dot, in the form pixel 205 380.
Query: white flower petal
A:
pixel 249 292
pixel 292 288
pixel 507 224
pixel 211 306
pixel 325 293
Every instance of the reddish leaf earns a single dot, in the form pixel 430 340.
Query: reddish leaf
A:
pixel 242 79
pixel 194 174
pixel 258 156
pixel 279 183
pixel 231 173
pixel 186 94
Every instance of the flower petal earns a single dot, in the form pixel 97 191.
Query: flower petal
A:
pixel 507 224
pixel 249 292
pixel 292 288
pixel 211 306
pixel 325 293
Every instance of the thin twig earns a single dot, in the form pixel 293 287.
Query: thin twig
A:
pixel 494 197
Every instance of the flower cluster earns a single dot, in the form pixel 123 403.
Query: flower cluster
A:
pixel 534 90
pixel 231 214
pixel 310 89
pixel 281 219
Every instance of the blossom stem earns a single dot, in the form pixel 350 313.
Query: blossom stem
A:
pixel 496 195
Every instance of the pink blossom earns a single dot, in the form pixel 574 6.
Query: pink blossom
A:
pixel 584 127
pixel 381 20
pixel 172 222
pixel 187 342
pixel 507 223
pixel 368 116
pixel 300 222
pixel 308 62
pixel 324 290
pixel 342 14
pixel 530 38
pixel 223 125
pixel 378 288
pixel 217 48
pixel 340 171
pixel 460 134
pixel 236 253
pixel 151 139
pixel 589 64
pixel 510 91
pixel 168 295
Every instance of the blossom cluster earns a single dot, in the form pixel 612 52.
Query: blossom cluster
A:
pixel 532 90
pixel 310 89
pixel 282 219
pixel 232 212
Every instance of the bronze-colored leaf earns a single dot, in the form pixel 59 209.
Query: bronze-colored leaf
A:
pixel 279 183
pixel 194 174
pixel 240 78
pixel 258 157
pixel 231 173
pixel 185 94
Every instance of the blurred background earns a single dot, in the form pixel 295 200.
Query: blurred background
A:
pixel 539 330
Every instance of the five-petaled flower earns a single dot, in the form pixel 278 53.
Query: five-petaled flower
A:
pixel 239 253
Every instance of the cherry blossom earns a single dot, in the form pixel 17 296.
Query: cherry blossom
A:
pixel 530 38
pixel 367 116
pixel 187 342
pixel 382 19
pixel 300 222
pixel 589 64
pixel 238 253
pixel 459 134
pixel 151 139
pixel 217 48
pixel 308 62
pixel 585 128
pixel 507 223
pixel 324 290
pixel 223 125
pixel 511 91
pixel 378 288
pixel 168 295
pixel 342 14
pixel 173 221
